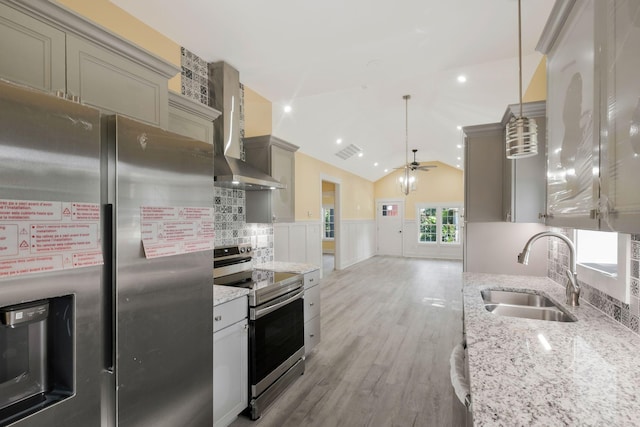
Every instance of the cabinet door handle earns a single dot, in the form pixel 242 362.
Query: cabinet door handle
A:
pixel 310 303
pixel 312 335
pixel 310 280
pixel 217 318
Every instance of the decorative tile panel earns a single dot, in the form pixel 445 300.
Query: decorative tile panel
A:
pixel 194 76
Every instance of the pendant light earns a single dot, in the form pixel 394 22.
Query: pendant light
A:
pixel 521 136
pixel 408 179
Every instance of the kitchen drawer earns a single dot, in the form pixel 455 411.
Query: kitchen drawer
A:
pixel 311 303
pixel 311 334
pixel 311 279
pixel 229 313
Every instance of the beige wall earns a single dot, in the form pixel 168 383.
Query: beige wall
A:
pixel 257 114
pixel 356 193
pixel 537 90
pixel 440 185
pixel 110 16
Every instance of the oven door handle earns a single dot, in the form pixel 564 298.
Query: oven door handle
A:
pixel 270 309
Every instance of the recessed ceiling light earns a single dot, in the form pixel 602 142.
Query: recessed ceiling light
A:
pixel 360 154
pixel 339 141
pixel 386 170
pixel 462 79
pixel 458 158
pixel 459 145
pixel 375 164
pixel 287 108
pixel 457 166
pixel 459 127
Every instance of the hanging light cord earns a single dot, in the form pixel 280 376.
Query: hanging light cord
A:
pixel 406 129
pixel 520 56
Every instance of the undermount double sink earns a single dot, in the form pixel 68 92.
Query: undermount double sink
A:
pixel 524 304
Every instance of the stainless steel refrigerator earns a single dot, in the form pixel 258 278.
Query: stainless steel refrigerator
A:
pixel 162 306
pixel 105 268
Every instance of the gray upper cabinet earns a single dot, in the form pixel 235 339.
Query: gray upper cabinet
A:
pixel 191 118
pixel 32 52
pixel 483 175
pixel 620 94
pixel 593 110
pixel 114 83
pixel 499 189
pixel 48 47
pixel 277 158
pixel 524 182
pixel 572 116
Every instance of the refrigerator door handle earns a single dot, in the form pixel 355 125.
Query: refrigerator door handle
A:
pixel 109 290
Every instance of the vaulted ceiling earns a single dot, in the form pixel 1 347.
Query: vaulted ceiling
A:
pixel 344 66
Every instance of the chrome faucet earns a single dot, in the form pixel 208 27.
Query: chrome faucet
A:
pixel 573 290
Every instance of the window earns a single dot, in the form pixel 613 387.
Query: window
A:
pixel 439 224
pixel 450 228
pixel 329 224
pixel 598 250
pixel 390 210
pixel 428 225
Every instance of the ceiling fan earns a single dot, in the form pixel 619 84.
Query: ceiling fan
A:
pixel 415 166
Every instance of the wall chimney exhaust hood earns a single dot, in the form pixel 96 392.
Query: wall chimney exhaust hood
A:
pixel 229 170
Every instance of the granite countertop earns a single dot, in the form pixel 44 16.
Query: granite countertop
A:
pixel 288 267
pixel 222 294
pixel 526 372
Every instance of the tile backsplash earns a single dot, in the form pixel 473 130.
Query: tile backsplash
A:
pixel 231 228
pixel 626 314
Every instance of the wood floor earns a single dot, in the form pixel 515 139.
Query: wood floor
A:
pixel 388 327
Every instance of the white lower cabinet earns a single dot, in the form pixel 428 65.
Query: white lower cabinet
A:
pixel 230 361
pixel 311 310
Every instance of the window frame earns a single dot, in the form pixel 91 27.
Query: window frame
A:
pixel 614 285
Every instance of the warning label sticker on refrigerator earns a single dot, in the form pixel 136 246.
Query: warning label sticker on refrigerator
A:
pixel 168 231
pixel 39 236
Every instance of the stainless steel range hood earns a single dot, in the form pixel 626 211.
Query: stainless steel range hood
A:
pixel 229 170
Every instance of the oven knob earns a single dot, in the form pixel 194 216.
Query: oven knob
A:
pixel 249 249
pixel 241 250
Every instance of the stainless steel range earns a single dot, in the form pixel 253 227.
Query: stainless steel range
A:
pixel 276 323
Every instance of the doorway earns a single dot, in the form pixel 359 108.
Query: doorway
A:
pixel 389 223
pixel 330 217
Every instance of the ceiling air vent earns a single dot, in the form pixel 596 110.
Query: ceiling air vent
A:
pixel 348 151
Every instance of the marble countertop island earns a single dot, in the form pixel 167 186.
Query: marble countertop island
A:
pixel 526 372
pixel 222 294
pixel 288 267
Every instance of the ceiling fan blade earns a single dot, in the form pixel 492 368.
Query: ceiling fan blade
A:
pixel 426 167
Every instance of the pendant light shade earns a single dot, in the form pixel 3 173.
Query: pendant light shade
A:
pixel 521 136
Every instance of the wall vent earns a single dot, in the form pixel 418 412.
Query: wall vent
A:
pixel 348 151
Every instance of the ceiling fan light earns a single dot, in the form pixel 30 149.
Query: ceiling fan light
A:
pixel 521 138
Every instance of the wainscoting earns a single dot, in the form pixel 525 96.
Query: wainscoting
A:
pixel 301 241
pixel 358 241
pixel 420 250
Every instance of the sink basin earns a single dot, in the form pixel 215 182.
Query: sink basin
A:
pixel 524 304
pixel 525 312
pixel 492 296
